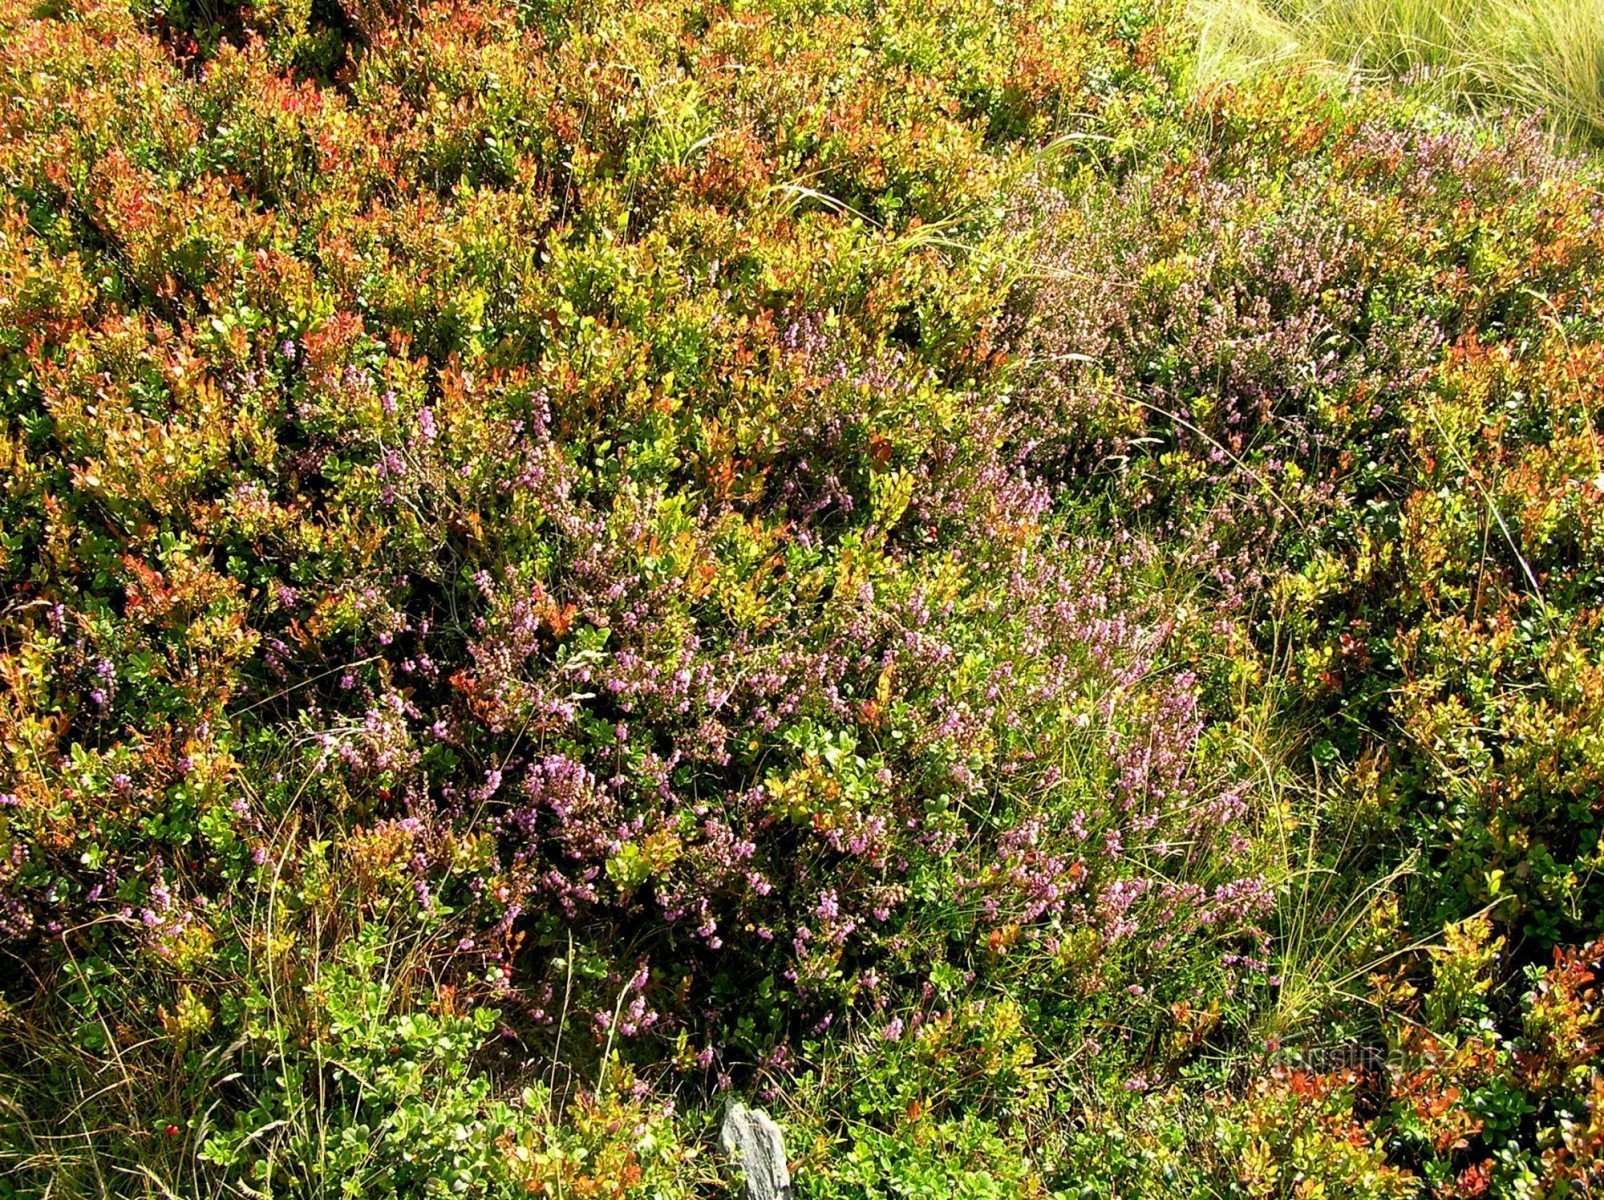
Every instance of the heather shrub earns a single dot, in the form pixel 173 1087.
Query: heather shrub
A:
pixel 546 508
pixel 1321 367
pixel 1342 363
pixel 565 563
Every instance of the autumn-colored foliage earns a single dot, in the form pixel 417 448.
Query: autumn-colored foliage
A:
pixel 559 562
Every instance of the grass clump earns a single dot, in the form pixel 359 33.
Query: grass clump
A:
pixel 1546 57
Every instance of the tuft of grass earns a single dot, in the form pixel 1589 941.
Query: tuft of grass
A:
pixel 1531 55
pixel 1549 56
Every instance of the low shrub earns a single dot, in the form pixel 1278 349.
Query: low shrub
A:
pixel 562 563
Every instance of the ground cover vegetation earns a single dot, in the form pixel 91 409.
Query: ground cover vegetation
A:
pixel 930 566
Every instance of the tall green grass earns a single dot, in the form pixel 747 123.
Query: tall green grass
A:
pixel 1541 55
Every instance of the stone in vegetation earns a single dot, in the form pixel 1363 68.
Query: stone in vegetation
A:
pixel 753 1140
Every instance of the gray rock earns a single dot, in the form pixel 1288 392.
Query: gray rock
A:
pixel 753 1140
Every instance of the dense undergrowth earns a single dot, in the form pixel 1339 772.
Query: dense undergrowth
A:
pixel 900 561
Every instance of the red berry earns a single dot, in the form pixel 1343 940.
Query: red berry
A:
pixel 172 1131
